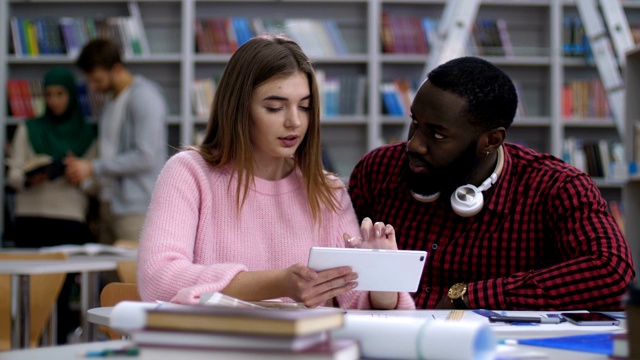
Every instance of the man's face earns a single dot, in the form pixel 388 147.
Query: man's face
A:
pixel 100 79
pixel 442 151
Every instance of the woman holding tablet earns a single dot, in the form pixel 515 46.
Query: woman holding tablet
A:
pixel 238 213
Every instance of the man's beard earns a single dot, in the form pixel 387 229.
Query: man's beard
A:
pixel 443 179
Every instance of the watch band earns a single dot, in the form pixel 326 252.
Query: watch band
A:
pixel 459 303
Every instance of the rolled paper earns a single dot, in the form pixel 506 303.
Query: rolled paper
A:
pixel 412 338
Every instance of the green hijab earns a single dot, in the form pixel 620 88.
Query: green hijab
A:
pixel 57 135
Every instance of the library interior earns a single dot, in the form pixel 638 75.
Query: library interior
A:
pixel 108 102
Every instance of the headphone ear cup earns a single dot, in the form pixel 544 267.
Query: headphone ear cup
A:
pixel 467 200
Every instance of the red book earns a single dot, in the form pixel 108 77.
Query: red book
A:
pixel 16 105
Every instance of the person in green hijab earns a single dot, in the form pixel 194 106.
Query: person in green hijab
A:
pixel 50 210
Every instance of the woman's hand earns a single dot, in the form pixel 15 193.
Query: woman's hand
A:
pixel 374 236
pixel 315 287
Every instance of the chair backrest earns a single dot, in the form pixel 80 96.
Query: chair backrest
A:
pixel 43 290
pixel 115 292
pixel 127 269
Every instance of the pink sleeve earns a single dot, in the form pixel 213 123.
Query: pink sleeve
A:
pixel 166 268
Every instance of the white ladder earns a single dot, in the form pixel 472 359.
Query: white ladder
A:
pixel 452 36
pixel 609 68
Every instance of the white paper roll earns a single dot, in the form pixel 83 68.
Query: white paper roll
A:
pixel 411 338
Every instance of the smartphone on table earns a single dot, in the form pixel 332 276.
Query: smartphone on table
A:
pixel 590 319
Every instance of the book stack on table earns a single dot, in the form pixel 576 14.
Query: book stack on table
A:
pixel 205 331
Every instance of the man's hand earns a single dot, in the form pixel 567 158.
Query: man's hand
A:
pixel 376 236
pixel 77 170
pixel 446 303
pixel 314 288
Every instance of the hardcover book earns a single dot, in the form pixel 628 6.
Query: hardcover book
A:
pixel 223 341
pixel 270 321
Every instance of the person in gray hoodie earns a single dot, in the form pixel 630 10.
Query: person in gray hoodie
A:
pixel 132 141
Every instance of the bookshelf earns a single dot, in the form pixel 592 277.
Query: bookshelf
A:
pixel 537 64
pixel 631 192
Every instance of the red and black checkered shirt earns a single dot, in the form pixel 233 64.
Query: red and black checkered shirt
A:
pixel 543 241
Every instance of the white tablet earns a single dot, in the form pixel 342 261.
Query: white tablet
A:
pixel 378 270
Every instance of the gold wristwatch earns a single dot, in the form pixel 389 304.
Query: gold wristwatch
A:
pixel 456 294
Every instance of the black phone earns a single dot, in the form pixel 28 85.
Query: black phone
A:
pixel 590 319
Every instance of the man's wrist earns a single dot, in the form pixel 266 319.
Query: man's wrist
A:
pixel 457 294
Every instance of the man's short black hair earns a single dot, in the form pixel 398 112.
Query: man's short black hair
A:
pixel 490 94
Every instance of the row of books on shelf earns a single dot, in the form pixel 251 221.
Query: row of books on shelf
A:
pixel 575 42
pixel 397 96
pixel 67 35
pixel 223 35
pixel 26 99
pixel 491 38
pixel 598 158
pixel 408 34
pixel 585 99
pixel 340 95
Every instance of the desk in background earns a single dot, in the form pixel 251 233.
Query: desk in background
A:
pixel 20 270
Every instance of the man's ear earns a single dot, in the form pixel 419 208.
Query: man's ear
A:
pixel 492 139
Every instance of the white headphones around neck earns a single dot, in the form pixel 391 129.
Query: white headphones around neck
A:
pixel 467 200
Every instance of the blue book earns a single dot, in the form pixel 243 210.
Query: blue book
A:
pixel 601 343
pixel 337 40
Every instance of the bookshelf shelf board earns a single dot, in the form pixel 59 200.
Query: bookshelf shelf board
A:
pixel 576 62
pixel 346 59
pixel 516 3
pixel 211 58
pixel 200 120
pixel 631 4
pixel 65 59
pixel 281 1
pixel 610 183
pixel 154 58
pixel 404 58
pixel 588 123
pixel 409 2
pixel 43 59
pixel 173 120
pixel 531 122
pixel 519 60
pixel 635 179
pixel 394 120
pixel 343 120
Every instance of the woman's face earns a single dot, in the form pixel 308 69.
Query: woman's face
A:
pixel 280 117
pixel 57 98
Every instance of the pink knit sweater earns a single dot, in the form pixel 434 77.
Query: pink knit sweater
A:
pixel 194 241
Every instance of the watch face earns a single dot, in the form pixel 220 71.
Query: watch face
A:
pixel 457 290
